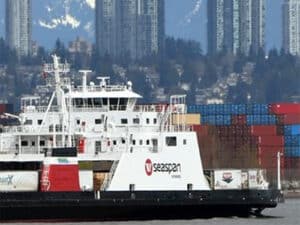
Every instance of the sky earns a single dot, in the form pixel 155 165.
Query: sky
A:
pixel 184 19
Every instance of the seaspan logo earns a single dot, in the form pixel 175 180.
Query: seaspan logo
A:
pixel 148 167
pixel 170 168
pixel 227 177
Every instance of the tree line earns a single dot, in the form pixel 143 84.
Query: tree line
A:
pixel 275 75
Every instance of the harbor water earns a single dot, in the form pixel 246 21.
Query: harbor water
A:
pixel 285 214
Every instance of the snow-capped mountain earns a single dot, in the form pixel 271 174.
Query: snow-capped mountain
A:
pixel 67 19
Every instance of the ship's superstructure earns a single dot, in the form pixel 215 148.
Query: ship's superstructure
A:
pixel 105 123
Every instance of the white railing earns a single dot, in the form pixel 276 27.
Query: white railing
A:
pixel 40 109
pixel 97 88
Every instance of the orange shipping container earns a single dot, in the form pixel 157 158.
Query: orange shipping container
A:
pixel 188 119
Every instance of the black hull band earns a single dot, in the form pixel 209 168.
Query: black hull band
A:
pixel 134 205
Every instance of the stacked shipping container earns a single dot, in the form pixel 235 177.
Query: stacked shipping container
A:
pixel 249 136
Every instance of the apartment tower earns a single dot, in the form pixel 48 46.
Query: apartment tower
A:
pixel 235 25
pixel 18 26
pixel 129 28
pixel 291 26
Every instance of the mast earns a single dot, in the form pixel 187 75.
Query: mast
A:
pixel 58 68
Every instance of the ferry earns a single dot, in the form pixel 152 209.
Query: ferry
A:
pixel 93 153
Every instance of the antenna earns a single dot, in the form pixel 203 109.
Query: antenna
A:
pixel 84 78
pixel 103 80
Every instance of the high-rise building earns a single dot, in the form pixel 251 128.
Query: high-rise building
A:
pixel 18 26
pixel 133 28
pixel 291 26
pixel 235 25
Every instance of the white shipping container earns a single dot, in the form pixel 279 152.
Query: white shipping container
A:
pixel 227 179
pixel 86 180
pixel 14 181
pixel 257 179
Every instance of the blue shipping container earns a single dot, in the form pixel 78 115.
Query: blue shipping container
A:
pixel 292 152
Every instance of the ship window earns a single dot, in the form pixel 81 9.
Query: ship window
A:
pixel 32 143
pixel 90 102
pixel 97 102
pixel 133 142
pixel 78 122
pixel 78 102
pixel 123 141
pixel 155 121
pixel 24 143
pixel 171 141
pixel 123 103
pixel 113 103
pixel 28 122
pixel 58 127
pixel 104 101
pixel 147 142
pixel 141 142
pixel 39 122
pixel 124 121
pixel 114 142
pixel 98 121
pixel 42 143
pixel 184 141
pixel 136 121
pixel 98 146
pixel 147 120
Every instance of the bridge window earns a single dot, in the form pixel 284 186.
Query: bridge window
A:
pixel 155 121
pixel 104 100
pixel 97 102
pixel 171 141
pixel 184 142
pixel 39 122
pixel 147 120
pixel 123 103
pixel 78 102
pixel 113 102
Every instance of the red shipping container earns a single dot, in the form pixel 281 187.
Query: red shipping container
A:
pixel 263 130
pixel 2 108
pixel 285 108
pixel 292 163
pixel 267 157
pixel 271 141
pixel 289 119
pixel 239 119
pixel 201 130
